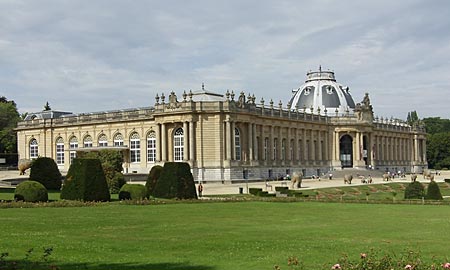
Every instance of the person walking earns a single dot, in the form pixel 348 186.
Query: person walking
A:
pixel 200 190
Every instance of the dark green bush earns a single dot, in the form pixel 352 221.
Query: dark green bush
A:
pixel 433 191
pixel 254 191
pixel 152 178
pixel 111 161
pixel 175 181
pixel 45 171
pixel 132 192
pixel 85 181
pixel 31 191
pixel 115 181
pixel 414 190
pixel 447 181
pixel 281 189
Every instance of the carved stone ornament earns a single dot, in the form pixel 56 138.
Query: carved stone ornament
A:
pixel 364 110
pixel 173 102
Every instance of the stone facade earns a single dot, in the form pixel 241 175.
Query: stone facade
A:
pixel 229 138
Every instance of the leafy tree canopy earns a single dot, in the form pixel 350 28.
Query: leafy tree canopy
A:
pixel 9 117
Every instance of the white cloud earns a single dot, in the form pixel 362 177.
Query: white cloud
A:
pixel 86 55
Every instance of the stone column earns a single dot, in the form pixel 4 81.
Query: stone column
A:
pixel 233 142
pixel 289 146
pixel 280 142
pixel 271 146
pixel 336 146
pixel 424 151
pixel 319 145
pixel 228 139
pixel 255 143
pixel 250 141
pixel 305 150
pixel 185 141
pixel 163 143
pixel 158 142
pixel 191 142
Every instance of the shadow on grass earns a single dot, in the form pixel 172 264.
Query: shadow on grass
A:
pixel 23 264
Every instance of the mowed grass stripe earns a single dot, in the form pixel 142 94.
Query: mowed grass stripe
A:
pixel 244 235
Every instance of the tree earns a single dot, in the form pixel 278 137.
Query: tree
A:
pixel 412 118
pixel 47 107
pixel 8 121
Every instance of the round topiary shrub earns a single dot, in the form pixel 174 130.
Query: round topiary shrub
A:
pixel 433 191
pixel 31 191
pixel 152 178
pixel 132 192
pixel 45 171
pixel 414 190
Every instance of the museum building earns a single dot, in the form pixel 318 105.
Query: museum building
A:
pixel 233 137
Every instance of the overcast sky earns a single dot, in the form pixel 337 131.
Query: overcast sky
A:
pixel 87 56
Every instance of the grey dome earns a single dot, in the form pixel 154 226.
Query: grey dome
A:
pixel 321 90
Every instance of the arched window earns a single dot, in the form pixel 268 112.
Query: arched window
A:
pixel 283 149
pixel 59 151
pixel 118 140
pixel 237 144
pixel 102 141
pixel 73 144
pixel 87 141
pixel 135 148
pixel 34 148
pixel 151 147
pixel 178 145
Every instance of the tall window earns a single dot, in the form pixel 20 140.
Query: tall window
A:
pixel 118 140
pixel 87 142
pixel 151 147
pixel 178 145
pixel 34 148
pixel 283 149
pixel 102 141
pixel 266 148
pixel 135 148
pixel 73 144
pixel 60 151
pixel 275 154
pixel 237 144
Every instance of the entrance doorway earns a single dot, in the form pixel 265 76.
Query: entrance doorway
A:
pixel 346 151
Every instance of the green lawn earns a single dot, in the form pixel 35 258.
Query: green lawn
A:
pixel 231 235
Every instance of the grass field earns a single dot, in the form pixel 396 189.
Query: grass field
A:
pixel 231 235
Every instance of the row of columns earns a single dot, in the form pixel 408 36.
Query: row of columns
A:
pixel 188 142
pixel 400 149
pixel 279 147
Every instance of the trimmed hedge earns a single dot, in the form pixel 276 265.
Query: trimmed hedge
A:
pixel 152 178
pixel 31 191
pixel 434 192
pixel 45 171
pixel 111 161
pixel 132 192
pixel 85 181
pixel 414 190
pixel 175 181
pixel 255 191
